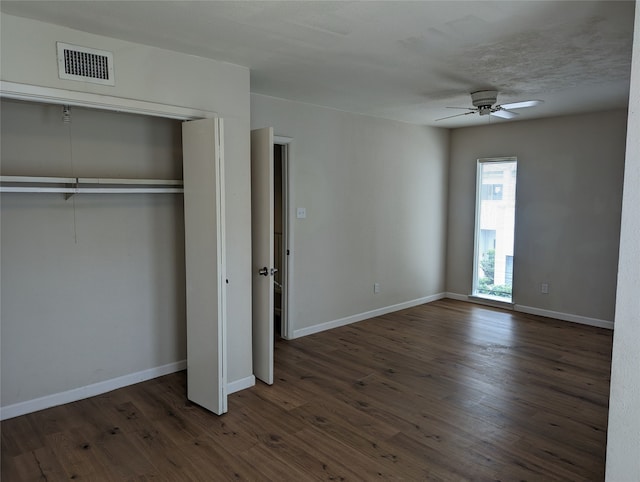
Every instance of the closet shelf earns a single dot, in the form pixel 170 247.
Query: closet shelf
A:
pixel 78 185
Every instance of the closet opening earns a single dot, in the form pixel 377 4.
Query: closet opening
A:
pixel 95 247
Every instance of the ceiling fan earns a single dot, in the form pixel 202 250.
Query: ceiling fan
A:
pixel 484 100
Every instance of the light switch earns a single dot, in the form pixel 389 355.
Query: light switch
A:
pixel 302 213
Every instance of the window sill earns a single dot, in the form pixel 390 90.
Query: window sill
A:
pixel 492 301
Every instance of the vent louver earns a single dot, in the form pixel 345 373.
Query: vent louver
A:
pixel 85 64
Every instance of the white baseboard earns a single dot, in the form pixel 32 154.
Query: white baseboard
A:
pixel 73 395
pixel 241 384
pixel 365 316
pixel 583 320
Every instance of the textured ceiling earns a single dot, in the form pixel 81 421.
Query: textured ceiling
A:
pixel 407 61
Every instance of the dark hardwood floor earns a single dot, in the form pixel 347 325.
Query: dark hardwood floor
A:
pixel 444 391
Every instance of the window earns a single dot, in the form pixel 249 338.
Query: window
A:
pixel 495 221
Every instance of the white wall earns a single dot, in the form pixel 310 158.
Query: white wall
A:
pixel 569 193
pixel 28 55
pixel 375 192
pixel 623 439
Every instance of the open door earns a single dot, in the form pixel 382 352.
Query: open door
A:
pixel 262 252
pixel 205 263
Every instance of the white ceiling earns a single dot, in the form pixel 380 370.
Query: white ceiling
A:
pixel 401 60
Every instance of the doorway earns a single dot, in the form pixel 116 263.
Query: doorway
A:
pixel 280 251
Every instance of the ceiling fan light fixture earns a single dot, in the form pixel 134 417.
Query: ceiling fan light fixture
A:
pixel 484 98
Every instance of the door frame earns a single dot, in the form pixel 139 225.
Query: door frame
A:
pixel 51 95
pixel 286 327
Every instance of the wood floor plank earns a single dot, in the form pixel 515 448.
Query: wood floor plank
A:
pixel 263 460
pixel 38 464
pixel 444 391
pixel 78 457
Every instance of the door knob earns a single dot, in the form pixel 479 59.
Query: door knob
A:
pixel 274 271
pixel 263 271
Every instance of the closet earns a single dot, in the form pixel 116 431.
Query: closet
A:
pixel 100 281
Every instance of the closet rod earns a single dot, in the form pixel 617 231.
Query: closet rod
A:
pixel 93 190
pixel 38 180
pixel 73 185
pixel 99 180
pixel 88 180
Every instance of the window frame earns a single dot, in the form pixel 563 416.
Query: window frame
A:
pixel 476 238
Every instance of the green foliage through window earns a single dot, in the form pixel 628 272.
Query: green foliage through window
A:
pixel 486 284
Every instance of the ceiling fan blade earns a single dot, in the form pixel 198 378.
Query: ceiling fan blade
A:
pixel 457 115
pixel 520 105
pixel 505 114
pixel 465 108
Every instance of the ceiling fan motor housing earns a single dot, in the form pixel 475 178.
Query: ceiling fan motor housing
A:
pixel 484 100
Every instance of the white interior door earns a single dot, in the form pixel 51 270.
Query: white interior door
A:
pixel 204 263
pixel 262 252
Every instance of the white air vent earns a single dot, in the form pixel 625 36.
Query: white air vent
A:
pixel 85 64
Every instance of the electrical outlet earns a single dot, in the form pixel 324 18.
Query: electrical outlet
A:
pixel 544 288
pixel 376 287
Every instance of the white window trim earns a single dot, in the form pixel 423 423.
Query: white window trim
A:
pixel 474 286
